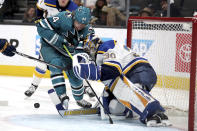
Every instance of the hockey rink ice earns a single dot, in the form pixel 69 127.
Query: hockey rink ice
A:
pixel 20 114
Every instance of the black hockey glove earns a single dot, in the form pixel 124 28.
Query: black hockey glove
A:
pixel 72 38
pixel 6 48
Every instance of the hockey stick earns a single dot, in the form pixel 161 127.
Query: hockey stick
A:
pixel 69 54
pixel 110 120
pixel 33 58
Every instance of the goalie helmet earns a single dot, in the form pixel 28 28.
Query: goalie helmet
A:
pixel 82 15
pixel 1 3
pixel 91 45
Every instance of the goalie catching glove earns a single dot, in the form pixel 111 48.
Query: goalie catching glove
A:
pixel 6 48
pixel 85 69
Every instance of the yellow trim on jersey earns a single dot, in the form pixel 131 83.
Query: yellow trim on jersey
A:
pixel 4 47
pixel 50 5
pixel 114 65
pixel 101 52
pixel 115 42
pixel 126 81
pixel 133 64
pixel 114 84
pixel 38 7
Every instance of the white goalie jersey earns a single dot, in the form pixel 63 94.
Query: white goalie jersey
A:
pixel 120 58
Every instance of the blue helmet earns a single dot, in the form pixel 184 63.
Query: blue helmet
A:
pixel 82 15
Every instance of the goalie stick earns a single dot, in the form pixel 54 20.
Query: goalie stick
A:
pixel 63 112
pixel 69 54
pixel 82 111
pixel 110 120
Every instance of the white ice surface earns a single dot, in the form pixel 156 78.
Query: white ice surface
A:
pixel 20 114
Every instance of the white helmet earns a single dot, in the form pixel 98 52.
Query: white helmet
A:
pixel 1 3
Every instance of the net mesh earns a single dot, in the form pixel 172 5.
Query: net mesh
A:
pixel 167 46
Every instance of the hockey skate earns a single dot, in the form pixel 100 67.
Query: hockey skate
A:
pixel 31 90
pixel 158 119
pixel 64 100
pixel 83 103
pixel 89 91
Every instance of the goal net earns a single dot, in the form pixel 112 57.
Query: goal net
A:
pixel 170 46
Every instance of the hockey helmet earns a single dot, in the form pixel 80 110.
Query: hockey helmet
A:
pixel 91 45
pixel 82 15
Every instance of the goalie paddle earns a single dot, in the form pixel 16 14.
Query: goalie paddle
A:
pixel 110 119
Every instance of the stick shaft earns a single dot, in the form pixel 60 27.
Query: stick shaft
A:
pixel 38 60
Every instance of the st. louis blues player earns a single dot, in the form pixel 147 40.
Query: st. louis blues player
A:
pixel 128 79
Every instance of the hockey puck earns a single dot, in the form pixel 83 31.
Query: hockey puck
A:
pixel 36 105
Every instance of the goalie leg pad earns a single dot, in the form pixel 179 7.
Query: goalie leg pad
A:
pixel 136 99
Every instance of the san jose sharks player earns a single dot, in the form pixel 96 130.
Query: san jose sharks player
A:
pixel 128 79
pixel 47 8
pixel 65 29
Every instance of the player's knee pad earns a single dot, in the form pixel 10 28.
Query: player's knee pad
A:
pixel 116 108
pixel 58 62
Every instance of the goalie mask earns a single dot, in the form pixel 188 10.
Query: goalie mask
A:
pixel 91 45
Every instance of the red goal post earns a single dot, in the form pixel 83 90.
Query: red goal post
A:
pixel 170 45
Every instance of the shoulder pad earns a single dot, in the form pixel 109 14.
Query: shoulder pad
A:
pixel 105 46
pixel 51 3
pixel 71 6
